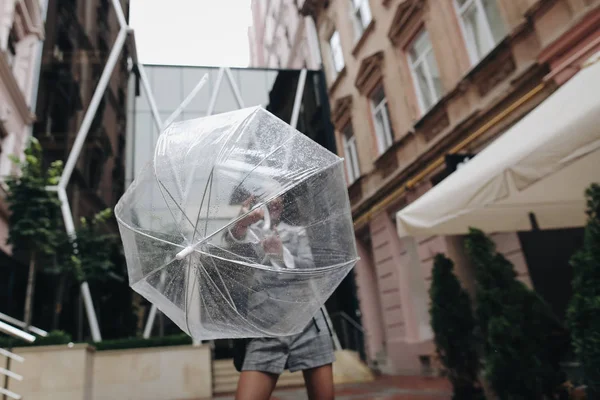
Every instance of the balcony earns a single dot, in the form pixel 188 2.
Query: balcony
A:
pixel 68 22
pixel 102 26
pixel 60 81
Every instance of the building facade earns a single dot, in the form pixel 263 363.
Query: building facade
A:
pixel 21 36
pixel 418 87
pixel 80 35
pixel 280 37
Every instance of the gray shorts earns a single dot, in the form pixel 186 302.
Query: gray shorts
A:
pixel 310 349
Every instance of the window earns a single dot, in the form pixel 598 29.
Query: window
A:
pixel 350 154
pixel 425 72
pixel 381 117
pixel 361 13
pixel 482 26
pixel 337 58
pixel 11 52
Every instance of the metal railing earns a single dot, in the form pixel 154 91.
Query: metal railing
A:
pixel 350 333
pixel 10 356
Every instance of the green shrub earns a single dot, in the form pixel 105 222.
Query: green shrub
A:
pixel 454 327
pixel 59 337
pixel 136 343
pixel 53 338
pixel 583 315
pixel 521 361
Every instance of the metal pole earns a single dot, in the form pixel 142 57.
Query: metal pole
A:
pixel 213 97
pixel 187 101
pixel 85 289
pixel 234 87
pixel 21 324
pixel 149 322
pixel 336 339
pixel 298 98
pixel 153 107
pixel 17 333
pixel 120 14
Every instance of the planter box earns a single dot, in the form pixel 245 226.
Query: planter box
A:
pixel 158 373
pixel 81 373
pixel 54 372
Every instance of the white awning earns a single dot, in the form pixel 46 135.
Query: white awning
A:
pixel 542 165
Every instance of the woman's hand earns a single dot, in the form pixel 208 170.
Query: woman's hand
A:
pixel 241 227
pixel 272 245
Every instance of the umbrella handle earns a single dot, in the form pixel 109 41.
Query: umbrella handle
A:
pixel 185 252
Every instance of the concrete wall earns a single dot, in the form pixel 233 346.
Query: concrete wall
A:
pixel 162 373
pixel 81 373
pixel 54 373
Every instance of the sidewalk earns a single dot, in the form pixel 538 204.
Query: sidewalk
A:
pixel 387 388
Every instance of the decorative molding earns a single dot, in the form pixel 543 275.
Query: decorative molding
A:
pixel 369 72
pixel 407 21
pixel 539 8
pixel 387 163
pixel 336 82
pixel 568 40
pixel 434 122
pixel 363 38
pixel 14 91
pixel 342 112
pixel 494 69
pixel 355 191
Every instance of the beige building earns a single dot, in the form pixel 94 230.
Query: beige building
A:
pixel 21 36
pixel 417 87
pixel 280 37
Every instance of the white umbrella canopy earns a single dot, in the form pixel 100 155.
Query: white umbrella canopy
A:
pixel 540 167
pixel 176 217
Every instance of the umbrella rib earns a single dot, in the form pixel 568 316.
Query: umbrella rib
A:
pixel 170 210
pixel 139 232
pixel 222 281
pixel 289 271
pixel 261 161
pixel 189 271
pixel 207 187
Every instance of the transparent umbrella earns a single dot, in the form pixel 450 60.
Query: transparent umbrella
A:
pixel 239 227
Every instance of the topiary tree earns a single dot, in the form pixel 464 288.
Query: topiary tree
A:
pixel 34 221
pixel 521 361
pixel 454 325
pixel 583 315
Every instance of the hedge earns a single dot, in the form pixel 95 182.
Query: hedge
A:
pixel 60 338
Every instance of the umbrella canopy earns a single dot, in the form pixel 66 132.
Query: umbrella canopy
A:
pixel 540 167
pixel 177 217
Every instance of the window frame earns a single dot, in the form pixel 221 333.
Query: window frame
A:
pixel 336 69
pixel 357 8
pixel 474 56
pixel 421 61
pixel 350 147
pixel 385 139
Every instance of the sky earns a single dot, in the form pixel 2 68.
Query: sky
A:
pixel 192 32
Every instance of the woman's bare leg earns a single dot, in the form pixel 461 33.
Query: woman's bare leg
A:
pixel 319 382
pixel 255 385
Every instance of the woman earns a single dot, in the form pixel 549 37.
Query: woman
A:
pixel 262 360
